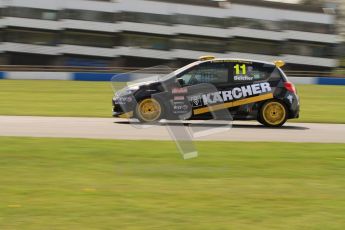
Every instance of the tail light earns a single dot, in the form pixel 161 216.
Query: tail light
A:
pixel 289 86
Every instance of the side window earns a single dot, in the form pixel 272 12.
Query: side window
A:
pixel 213 73
pixel 249 72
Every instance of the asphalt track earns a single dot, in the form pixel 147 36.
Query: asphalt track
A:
pixel 109 128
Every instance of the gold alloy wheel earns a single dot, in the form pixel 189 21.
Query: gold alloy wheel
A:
pixel 149 110
pixel 274 113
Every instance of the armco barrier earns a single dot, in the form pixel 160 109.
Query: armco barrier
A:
pixel 90 76
pixel 330 81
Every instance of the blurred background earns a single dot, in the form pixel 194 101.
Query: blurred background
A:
pixel 109 34
pixel 54 55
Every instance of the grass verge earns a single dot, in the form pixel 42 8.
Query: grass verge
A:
pixel 55 98
pixel 103 184
pixel 320 103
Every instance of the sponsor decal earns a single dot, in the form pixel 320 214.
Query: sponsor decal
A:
pixel 179 98
pixel 231 98
pixel 231 61
pixel 180 108
pixel 233 103
pixel 179 90
pixel 123 100
pixel 236 93
pixel 196 101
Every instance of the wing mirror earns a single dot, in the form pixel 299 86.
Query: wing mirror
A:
pixel 180 81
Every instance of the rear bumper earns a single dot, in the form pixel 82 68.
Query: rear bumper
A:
pixel 294 109
pixel 292 103
pixel 294 114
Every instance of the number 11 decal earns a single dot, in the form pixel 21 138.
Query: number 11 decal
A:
pixel 238 69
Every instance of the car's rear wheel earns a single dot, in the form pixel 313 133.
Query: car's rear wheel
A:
pixel 273 113
pixel 149 110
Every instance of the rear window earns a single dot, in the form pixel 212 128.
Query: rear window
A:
pixel 244 72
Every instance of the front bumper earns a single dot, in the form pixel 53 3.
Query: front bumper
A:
pixel 121 111
pixel 123 115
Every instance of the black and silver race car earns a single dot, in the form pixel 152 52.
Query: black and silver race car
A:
pixel 244 89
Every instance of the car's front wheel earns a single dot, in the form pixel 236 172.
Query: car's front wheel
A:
pixel 149 110
pixel 273 113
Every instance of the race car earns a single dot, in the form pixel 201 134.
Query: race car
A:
pixel 213 88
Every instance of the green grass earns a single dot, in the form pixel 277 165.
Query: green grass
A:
pixel 104 184
pixel 93 99
pixel 322 103
pixel 55 98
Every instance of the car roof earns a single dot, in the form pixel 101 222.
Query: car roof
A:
pixel 238 60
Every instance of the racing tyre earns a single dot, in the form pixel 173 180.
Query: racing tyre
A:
pixel 273 113
pixel 149 110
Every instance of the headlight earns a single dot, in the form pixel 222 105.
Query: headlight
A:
pixel 126 92
pixel 133 88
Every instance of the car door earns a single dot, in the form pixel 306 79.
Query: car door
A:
pixel 204 78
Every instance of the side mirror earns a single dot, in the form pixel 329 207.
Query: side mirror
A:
pixel 180 81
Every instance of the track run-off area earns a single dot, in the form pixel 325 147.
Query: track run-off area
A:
pixel 122 129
